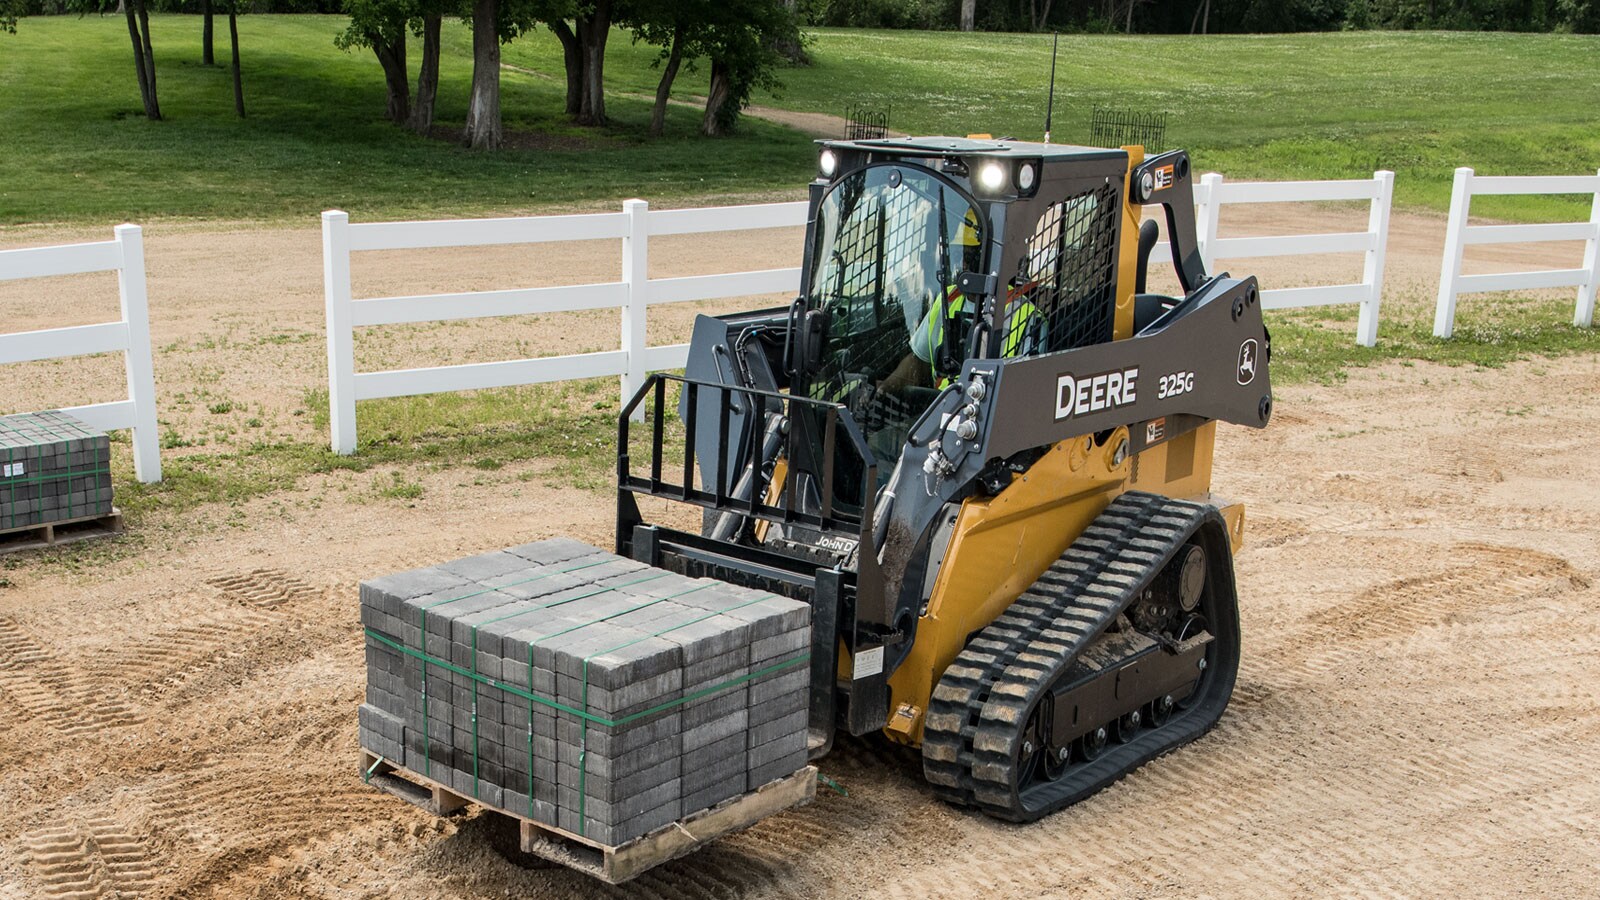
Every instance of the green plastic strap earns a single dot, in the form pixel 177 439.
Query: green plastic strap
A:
pixel 598 720
pixel 422 616
pixel 475 754
pixel 366 777
pixel 523 612
pixel 583 739
pixel 584 715
pixel 832 784
pixel 582 753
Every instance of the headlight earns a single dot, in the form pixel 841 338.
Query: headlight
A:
pixel 992 177
pixel 1025 177
pixel 829 163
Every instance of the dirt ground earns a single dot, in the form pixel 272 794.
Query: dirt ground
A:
pixel 1417 714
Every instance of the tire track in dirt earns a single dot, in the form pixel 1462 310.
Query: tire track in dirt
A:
pixel 155 664
pixel 1487 576
pixel 275 774
pixel 92 859
pixel 286 807
pixel 47 690
pixel 1470 462
pixel 1265 739
pixel 264 588
pixel 1131 835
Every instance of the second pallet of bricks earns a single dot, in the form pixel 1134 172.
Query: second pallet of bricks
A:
pixel 584 690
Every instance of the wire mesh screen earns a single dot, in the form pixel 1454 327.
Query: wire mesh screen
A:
pixel 1113 127
pixel 865 124
pixel 1067 295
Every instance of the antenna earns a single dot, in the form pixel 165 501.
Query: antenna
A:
pixel 1055 40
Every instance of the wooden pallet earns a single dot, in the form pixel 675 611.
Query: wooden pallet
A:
pixel 64 531
pixel 611 864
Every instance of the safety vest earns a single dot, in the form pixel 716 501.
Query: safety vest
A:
pixel 949 306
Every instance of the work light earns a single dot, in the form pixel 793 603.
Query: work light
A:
pixel 992 177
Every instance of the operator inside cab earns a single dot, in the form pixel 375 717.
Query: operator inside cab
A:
pixel 890 244
pixel 944 316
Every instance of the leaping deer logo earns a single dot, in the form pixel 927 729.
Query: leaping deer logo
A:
pixel 1247 361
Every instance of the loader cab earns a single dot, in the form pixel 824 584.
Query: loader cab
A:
pixel 922 253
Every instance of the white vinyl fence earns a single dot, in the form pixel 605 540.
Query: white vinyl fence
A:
pixel 130 335
pixel 1459 235
pixel 1212 193
pixel 632 297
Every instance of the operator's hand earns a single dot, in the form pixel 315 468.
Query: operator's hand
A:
pixel 904 375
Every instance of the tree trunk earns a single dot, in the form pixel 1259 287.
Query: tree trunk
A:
pixel 233 37
pixel 149 58
pixel 790 48
pixel 969 13
pixel 147 88
pixel 483 109
pixel 427 78
pixel 208 56
pixel 658 116
pixel 716 98
pixel 1205 23
pixel 592 33
pixel 1040 15
pixel 392 56
pixel 573 55
pixel 1128 26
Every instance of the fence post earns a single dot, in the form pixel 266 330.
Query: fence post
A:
pixel 1584 316
pixel 141 367
pixel 1444 315
pixel 1372 271
pixel 341 340
pixel 1206 219
pixel 636 275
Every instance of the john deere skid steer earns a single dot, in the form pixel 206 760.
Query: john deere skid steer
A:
pixel 982 453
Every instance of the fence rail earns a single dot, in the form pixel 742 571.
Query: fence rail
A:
pixel 631 296
pixel 130 335
pixel 1213 192
pixel 1459 235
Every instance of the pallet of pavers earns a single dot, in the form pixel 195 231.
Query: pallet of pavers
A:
pixel 625 714
pixel 55 480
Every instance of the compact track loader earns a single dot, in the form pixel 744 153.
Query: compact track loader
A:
pixel 982 453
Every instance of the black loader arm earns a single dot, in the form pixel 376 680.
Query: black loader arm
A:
pixel 1204 359
pixel 1165 179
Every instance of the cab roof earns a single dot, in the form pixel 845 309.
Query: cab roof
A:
pixel 968 147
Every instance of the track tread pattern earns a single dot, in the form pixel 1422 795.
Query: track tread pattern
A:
pixel 263 588
pixel 94 859
pixel 976 713
pixel 42 687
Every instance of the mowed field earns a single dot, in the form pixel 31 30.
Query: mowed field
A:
pixel 1306 106
pixel 1417 713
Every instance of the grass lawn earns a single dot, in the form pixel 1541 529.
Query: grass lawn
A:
pixel 74 148
pixel 1281 106
pixel 77 148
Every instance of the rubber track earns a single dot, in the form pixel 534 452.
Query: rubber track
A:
pixel 970 732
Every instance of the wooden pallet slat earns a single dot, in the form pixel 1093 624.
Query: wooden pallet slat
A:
pixel 612 864
pixel 64 531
